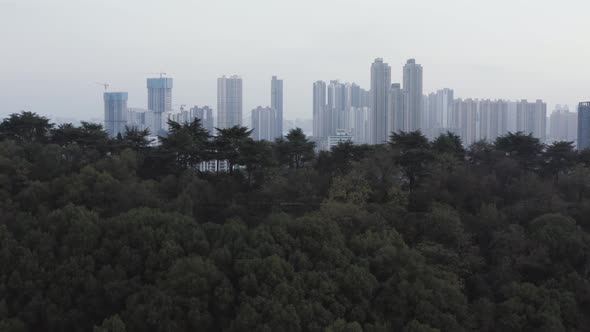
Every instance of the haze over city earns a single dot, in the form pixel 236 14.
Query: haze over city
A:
pixel 54 51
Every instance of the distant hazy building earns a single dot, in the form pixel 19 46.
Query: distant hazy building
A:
pixel 360 125
pixel 413 87
pixel 153 120
pixel 141 119
pixel 136 118
pixel 465 120
pixel 229 102
pixel 563 125
pixel 397 119
pixel 584 125
pixel 365 98
pixel 341 136
pixel 115 112
pixel 444 108
pixel 337 117
pixel 180 116
pixel 319 108
pixel 437 113
pixel 159 100
pixel 205 114
pixel 264 123
pixel 512 117
pixel 493 119
pixel 276 102
pixel 353 95
pixel 429 114
pixel 380 85
pixel 531 118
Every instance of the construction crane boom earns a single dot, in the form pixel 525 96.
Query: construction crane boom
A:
pixel 161 74
pixel 105 84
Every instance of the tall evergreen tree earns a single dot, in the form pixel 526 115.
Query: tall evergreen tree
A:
pixel 229 144
pixel 25 127
pixel 414 155
pixel 295 150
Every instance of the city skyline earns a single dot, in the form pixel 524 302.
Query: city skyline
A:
pixel 41 72
pixel 346 111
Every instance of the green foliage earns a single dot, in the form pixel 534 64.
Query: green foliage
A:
pixel 295 150
pixel 230 143
pixel 525 148
pixel 112 235
pixel 560 158
pixel 414 155
pixel 25 127
pixel 352 188
pixel 187 144
pixel 136 139
pixel 112 324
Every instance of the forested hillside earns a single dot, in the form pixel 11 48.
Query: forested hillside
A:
pixel 112 235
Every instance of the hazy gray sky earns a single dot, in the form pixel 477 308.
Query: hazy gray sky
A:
pixel 53 50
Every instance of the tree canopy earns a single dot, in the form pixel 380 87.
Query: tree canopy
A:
pixel 101 234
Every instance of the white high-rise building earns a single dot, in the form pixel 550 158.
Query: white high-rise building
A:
pixel 141 118
pixel 493 119
pixel 229 102
pixel 353 95
pixel 360 125
pixel 264 122
pixel 153 119
pixel 444 108
pixel 136 118
pixel 511 121
pixel 337 107
pixel 465 120
pixel 437 113
pixel 413 87
pixel 276 102
pixel 474 119
pixel 319 109
pixel 159 101
pixel 531 118
pixel 563 125
pixel 397 119
pixel 380 85
pixel 429 115
pixel 341 136
pixel 115 112
pixel 205 114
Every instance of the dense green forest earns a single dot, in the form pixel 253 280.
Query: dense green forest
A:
pixel 112 235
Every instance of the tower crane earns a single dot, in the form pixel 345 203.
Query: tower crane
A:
pixel 161 74
pixel 105 84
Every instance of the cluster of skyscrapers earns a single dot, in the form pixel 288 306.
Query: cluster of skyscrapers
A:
pixel 339 107
pixel 347 112
pixel 267 122
pixel 563 124
pixel 399 107
pixel 118 116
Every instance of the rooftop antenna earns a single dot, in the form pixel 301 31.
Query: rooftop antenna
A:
pixel 105 84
